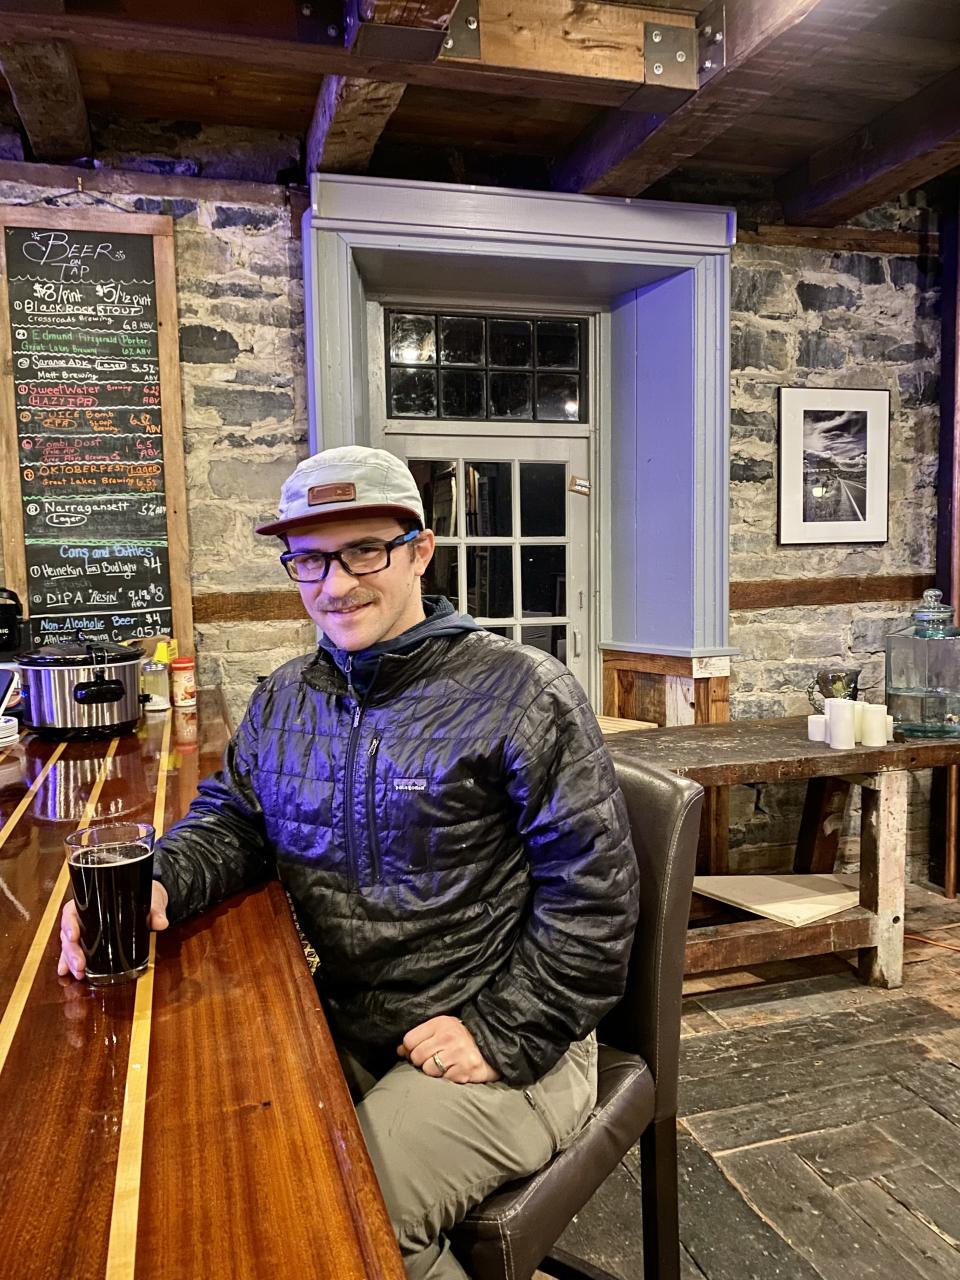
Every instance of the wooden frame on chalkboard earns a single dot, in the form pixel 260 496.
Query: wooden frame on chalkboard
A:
pixel 11 512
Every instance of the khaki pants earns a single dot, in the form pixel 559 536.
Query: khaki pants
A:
pixel 439 1148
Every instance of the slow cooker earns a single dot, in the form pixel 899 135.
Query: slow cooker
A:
pixel 81 688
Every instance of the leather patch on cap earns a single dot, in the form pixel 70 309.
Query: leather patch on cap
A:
pixel 321 494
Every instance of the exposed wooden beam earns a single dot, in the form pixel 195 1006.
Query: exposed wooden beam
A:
pixel 912 142
pixel 575 52
pixel 348 119
pixel 765 42
pixel 43 81
pixel 435 14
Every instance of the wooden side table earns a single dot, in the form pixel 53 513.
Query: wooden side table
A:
pixel 746 751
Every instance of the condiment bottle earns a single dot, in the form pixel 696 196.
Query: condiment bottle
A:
pixel 156 679
pixel 183 674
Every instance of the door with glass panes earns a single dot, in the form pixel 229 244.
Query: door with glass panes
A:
pixel 512 538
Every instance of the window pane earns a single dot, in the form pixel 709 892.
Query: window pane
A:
pixel 437 482
pixel 500 631
pixel 511 343
pixel 462 394
pixel 543 590
pixel 543 499
pixel 413 393
pixel 441 576
pixel 549 639
pixel 490 582
pixel 558 344
pixel 489 501
pixel 413 339
pixel 461 340
pixel 511 395
pixel 558 397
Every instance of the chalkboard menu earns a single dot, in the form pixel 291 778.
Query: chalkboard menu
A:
pixel 82 341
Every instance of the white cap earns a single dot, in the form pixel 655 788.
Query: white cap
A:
pixel 338 482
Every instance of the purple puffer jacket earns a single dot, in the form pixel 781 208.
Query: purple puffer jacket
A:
pixel 453 843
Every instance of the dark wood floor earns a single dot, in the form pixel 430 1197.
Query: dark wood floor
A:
pixel 820 1124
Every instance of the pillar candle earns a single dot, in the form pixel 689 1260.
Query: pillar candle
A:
pixel 840 729
pixel 874 725
pixel 858 719
pixel 817 728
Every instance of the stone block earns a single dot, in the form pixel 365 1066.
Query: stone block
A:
pixel 746 424
pixel 241 405
pixel 258 481
pixel 825 297
pixel 750 470
pixel 816 351
pixel 918 386
pixel 862 266
pixel 918 273
pixel 762 291
pixel 250 219
pixel 11 144
pixel 757 706
pixel 175 209
pixel 202 344
pixel 755 348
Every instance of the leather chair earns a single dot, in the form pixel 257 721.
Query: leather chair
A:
pixel 511 1233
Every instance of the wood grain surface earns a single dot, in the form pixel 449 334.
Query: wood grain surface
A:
pixel 201 1128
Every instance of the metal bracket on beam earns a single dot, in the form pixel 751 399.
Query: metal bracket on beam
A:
pixel 462 39
pixel 332 22
pixel 669 56
pixel 711 41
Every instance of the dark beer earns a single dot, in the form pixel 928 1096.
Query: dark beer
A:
pixel 112 886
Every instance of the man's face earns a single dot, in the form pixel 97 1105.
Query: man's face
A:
pixel 355 613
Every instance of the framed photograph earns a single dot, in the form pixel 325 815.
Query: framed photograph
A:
pixel 834 465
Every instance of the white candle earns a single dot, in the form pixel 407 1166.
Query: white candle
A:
pixel 858 719
pixel 817 728
pixel 874 725
pixel 840 729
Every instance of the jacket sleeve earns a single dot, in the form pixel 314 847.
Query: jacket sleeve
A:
pixel 220 845
pixel 569 964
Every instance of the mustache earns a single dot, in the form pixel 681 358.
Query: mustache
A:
pixel 324 605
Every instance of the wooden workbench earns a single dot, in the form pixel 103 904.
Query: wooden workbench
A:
pixel 745 751
pixel 194 1123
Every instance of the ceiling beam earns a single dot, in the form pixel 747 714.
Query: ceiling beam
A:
pixel 574 52
pixel 348 119
pixel 414 13
pixel 625 152
pixel 43 81
pixel 908 145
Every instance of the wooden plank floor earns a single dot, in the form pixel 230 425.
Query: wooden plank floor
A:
pixel 820 1123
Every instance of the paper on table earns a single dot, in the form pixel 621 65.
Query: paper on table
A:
pixel 788 899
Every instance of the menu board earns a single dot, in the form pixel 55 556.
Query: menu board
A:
pixel 83 345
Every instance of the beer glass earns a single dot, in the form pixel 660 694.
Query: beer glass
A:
pixel 111 868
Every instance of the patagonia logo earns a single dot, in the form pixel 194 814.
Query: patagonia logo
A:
pixel 409 784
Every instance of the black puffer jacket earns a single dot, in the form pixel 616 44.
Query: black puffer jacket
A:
pixel 454 843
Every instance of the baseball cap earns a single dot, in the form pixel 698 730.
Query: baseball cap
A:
pixel 340 481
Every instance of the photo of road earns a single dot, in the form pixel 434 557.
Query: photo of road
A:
pixel 834 465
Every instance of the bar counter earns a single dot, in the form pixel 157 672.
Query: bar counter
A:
pixel 194 1123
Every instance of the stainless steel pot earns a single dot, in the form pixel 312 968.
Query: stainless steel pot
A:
pixel 81 688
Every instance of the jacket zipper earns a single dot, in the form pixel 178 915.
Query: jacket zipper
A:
pixel 353 870
pixel 372 833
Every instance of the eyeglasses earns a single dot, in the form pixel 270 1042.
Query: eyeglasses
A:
pixel 365 557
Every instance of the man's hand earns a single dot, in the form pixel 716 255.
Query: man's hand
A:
pixel 72 960
pixel 452 1043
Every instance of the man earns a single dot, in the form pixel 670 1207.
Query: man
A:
pixel 439 804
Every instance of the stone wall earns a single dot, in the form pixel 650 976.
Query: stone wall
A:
pixel 810 317
pixel 240 300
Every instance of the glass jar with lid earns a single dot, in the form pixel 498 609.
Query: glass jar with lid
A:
pixel 923 671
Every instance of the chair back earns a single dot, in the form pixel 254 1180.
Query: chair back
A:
pixel 664 812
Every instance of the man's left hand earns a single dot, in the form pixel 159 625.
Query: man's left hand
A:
pixel 444 1047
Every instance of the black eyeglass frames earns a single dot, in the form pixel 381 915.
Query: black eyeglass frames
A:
pixel 366 557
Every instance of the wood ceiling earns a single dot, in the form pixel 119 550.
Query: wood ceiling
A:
pixel 838 103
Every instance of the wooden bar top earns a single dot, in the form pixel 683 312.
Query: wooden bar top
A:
pixel 717 755
pixel 194 1123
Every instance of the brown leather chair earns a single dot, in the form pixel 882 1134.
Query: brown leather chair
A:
pixel 511 1234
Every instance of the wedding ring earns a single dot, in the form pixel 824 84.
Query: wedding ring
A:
pixel 439 1061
